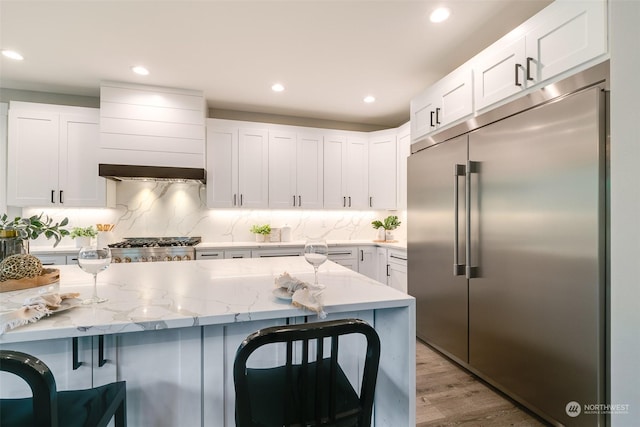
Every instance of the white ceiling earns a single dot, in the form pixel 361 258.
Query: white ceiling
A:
pixel 328 54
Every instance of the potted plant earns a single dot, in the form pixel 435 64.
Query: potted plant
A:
pixel 83 235
pixel 389 224
pixel 17 231
pixel 261 231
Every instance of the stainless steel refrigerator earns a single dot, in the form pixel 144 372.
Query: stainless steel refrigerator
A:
pixel 507 246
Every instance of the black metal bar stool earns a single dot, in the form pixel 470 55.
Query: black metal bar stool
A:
pixel 314 392
pixel 51 408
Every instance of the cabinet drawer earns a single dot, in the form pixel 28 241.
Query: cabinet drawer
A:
pixel 52 259
pixel 210 255
pixel 268 253
pixel 397 257
pixel 343 253
pixel 244 253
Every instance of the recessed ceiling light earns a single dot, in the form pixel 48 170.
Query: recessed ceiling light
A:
pixel 12 54
pixel 439 15
pixel 369 99
pixel 139 69
pixel 277 87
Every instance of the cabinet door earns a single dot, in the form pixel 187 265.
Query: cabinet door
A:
pixel 253 168
pixel 79 183
pixel 423 109
pixel 334 158
pixel 381 265
pixel 282 170
pixel 455 97
pixel 383 172
pixel 357 172
pixel 498 73
pixel 163 371
pixel 57 354
pixel 32 170
pixel 572 34
pixel 309 171
pixel 367 261
pixel 222 167
pixel 344 255
pixel 397 270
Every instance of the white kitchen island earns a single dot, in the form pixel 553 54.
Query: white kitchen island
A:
pixel 171 330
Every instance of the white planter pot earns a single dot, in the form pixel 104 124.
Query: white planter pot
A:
pixel 260 237
pixel 82 241
pixel 388 235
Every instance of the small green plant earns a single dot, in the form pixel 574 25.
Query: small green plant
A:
pixel 83 232
pixel 261 229
pixel 390 223
pixel 36 225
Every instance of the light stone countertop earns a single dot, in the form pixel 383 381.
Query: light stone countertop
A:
pixel 159 295
pixel 401 245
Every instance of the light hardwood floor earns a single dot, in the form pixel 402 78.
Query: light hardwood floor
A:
pixel 447 395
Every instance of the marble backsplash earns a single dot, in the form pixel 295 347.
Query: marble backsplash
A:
pixel 177 209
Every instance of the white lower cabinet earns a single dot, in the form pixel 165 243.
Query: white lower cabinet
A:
pixel 209 254
pixel 59 355
pixel 346 256
pixel 163 371
pixel 397 270
pixel 367 261
pixel 239 253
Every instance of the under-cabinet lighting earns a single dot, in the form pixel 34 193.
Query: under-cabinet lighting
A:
pixel 12 54
pixel 439 15
pixel 369 99
pixel 277 87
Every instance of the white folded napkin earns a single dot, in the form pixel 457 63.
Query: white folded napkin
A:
pixel 303 294
pixel 32 310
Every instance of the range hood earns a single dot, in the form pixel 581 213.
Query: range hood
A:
pixel 151 173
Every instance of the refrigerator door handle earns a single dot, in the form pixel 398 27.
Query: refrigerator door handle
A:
pixel 471 271
pixel 458 171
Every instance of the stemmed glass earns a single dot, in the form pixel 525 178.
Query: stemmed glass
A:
pixel 315 252
pixel 94 260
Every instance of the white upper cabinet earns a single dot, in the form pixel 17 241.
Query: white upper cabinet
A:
pixel 449 100
pixel 253 169
pixel 346 172
pixel 572 33
pixel 53 157
pixel 237 167
pixel 295 170
pixel 383 170
pixel 564 35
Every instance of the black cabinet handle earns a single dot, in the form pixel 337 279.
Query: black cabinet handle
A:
pixel 438 116
pixel 299 201
pixel 235 197
pixel 432 113
pixel 349 201
pixel 518 66
pixel 75 364
pixel 61 198
pixel 53 193
pixel 294 200
pixel 388 270
pixel 361 254
pixel 344 202
pixel 101 360
pixel 370 201
pixel 529 60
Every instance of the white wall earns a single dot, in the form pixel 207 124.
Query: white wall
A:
pixel 625 210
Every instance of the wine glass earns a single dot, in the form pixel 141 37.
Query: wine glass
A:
pixel 315 252
pixel 93 260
